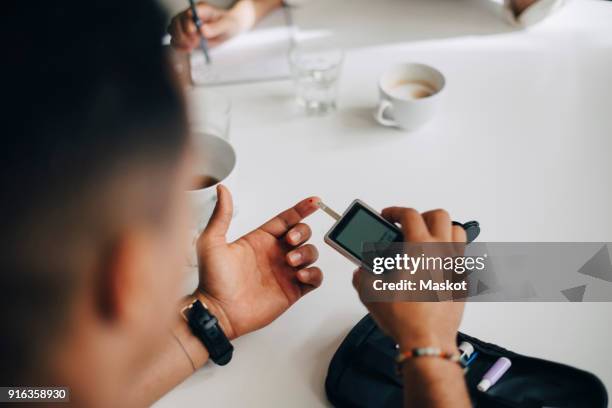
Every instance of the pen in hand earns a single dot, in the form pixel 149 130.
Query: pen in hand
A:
pixel 198 24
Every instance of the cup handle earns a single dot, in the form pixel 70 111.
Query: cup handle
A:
pixel 383 106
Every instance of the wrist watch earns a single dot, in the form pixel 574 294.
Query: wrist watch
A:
pixel 205 326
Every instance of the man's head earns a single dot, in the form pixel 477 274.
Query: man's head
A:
pixel 93 166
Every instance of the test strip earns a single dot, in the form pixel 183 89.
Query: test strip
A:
pixel 329 211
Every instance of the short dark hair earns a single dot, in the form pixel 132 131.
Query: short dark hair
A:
pixel 90 95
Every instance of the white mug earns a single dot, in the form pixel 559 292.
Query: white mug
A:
pixel 216 158
pixel 409 95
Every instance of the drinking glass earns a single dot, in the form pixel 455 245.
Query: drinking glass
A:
pixel 315 68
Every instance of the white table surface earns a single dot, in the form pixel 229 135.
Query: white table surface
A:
pixel 521 143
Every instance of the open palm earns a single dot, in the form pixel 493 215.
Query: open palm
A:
pixel 250 282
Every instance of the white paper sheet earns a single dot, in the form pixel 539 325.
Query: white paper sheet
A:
pixel 258 55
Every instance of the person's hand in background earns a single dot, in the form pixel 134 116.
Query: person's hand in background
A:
pixel 250 282
pixel 430 381
pixel 218 24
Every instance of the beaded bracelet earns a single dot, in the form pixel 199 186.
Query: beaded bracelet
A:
pixel 425 352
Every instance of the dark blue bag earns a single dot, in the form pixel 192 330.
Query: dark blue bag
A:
pixel 362 373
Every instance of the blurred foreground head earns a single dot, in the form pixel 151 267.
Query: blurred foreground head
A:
pixel 93 166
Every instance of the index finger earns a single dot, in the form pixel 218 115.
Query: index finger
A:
pixel 280 224
pixel 205 12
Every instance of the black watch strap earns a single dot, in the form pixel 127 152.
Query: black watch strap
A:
pixel 206 327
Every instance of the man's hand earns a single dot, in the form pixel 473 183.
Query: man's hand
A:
pixel 429 382
pixel 250 282
pixel 414 324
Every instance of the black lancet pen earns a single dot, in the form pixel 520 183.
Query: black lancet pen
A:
pixel 198 24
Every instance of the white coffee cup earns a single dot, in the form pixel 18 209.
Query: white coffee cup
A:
pixel 409 95
pixel 216 158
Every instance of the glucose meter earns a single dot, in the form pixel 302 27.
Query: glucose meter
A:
pixel 360 223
